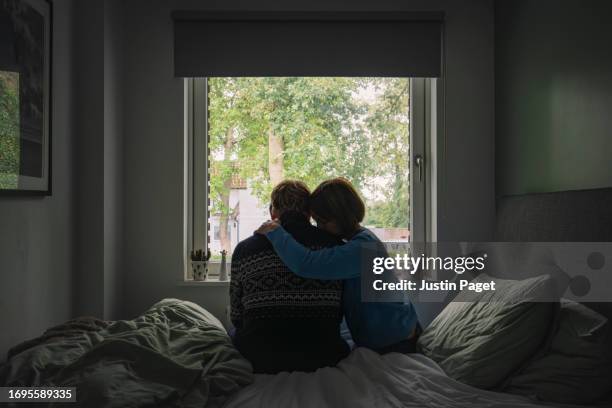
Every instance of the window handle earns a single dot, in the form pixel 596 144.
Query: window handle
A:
pixel 419 161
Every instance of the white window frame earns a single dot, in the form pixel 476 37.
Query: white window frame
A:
pixel 424 121
pixel 425 110
pixel 196 231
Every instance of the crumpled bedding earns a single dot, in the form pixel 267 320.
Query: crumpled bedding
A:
pixel 367 380
pixel 175 355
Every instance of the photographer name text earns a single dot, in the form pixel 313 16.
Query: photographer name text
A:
pixel 406 285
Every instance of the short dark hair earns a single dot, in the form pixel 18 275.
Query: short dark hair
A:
pixel 291 195
pixel 337 200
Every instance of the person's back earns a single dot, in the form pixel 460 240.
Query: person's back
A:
pixel 384 326
pixel 285 322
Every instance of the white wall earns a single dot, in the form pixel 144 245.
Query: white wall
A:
pixel 36 234
pixel 99 157
pixel 153 126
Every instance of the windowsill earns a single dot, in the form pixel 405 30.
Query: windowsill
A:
pixel 207 282
pixel 212 278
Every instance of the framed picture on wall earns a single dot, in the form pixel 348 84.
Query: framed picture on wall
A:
pixel 25 96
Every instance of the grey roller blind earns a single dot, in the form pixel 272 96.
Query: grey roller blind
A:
pixel 307 44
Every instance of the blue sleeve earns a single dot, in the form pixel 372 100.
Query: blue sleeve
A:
pixel 336 263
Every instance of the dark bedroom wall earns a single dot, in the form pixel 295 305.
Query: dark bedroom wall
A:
pixel 553 95
pixel 113 157
pixel 99 157
pixel 89 157
pixel 36 234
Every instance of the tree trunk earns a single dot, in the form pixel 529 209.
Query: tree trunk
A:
pixel 275 157
pixel 224 237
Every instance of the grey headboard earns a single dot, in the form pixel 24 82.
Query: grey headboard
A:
pixel 568 216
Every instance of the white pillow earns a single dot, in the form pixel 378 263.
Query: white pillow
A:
pixel 480 339
pixel 577 366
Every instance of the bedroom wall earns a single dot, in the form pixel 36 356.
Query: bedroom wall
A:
pixel 113 157
pixel 36 233
pixel 553 95
pixel 89 126
pixel 99 157
pixel 153 132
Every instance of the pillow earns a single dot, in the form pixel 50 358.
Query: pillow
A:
pixel 577 367
pixel 482 341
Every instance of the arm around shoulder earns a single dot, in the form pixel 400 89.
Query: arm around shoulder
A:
pixel 339 262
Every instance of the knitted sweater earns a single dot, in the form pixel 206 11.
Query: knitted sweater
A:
pixel 285 322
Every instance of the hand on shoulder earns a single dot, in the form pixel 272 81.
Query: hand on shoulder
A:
pixel 267 227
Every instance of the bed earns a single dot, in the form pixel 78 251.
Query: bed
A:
pixel 174 355
pixel 366 379
pixel 178 355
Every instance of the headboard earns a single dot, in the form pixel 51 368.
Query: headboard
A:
pixel 568 216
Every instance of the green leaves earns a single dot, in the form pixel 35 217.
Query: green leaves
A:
pixel 327 128
pixel 9 129
pixel 199 256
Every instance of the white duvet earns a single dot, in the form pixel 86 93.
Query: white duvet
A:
pixel 366 379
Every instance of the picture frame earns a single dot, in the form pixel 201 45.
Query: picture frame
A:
pixel 25 96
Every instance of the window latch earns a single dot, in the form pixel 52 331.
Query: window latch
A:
pixel 419 161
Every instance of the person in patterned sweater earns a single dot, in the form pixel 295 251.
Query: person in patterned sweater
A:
pixel 284 322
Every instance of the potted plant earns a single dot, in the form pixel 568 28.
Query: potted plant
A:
pixel 199 264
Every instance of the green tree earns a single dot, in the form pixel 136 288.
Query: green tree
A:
pixel 267 129
pixel 388 122
pixel 9 129
pixel 276 128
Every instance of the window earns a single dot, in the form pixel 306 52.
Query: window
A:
pixel 217 235
pixel 244 135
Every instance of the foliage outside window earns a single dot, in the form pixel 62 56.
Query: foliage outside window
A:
pixel 9 129
pixel 264 130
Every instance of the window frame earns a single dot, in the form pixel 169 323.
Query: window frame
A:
pixel 425 117
pixel 196 154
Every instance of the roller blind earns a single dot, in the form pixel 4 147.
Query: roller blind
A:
pixel 307 44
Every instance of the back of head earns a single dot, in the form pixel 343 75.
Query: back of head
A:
pixel 291 195
pixel 337 200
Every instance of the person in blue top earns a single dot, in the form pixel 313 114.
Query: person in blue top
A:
pixel 337 208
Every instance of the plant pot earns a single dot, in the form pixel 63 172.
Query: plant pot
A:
pixel 200 270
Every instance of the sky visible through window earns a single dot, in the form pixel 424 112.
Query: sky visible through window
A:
pixel 264 130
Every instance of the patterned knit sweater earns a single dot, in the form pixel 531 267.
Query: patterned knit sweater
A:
pixel 285 322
